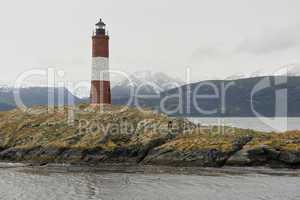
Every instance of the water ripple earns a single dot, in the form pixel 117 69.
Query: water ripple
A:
pixel 15 184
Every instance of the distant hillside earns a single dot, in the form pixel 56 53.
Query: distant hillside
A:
pixel 6 107
pixel 237 99
pixel 236 102
pixel 32 96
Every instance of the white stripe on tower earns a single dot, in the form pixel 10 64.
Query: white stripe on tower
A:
pixel 100 67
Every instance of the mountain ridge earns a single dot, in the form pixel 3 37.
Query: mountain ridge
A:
pixel 238 97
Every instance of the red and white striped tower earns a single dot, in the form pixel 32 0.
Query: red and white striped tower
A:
pixel 100 89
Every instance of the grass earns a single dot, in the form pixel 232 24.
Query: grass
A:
pixel 28 130
pixel 40 128
pixel 280 141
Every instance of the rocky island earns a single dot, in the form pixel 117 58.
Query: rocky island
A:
pixel 86 135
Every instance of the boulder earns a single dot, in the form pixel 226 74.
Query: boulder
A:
pixel 198 156
pixel 290 157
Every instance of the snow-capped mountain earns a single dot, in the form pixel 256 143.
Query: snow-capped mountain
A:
pixel 286 70
pixel 144 82
pixel 4 88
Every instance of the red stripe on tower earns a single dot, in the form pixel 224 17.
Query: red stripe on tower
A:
pixel 100 86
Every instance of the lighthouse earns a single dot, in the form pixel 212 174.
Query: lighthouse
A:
pixel 100 84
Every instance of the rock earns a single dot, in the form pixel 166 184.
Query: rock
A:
pixel 290 157
pixel 256 156
pixel 44 154
pixel 271 153
pixel 240 158
pixel 12 154
pixel 71 155
pixel 205 157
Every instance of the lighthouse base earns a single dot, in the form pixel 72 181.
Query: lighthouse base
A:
pixel 100 92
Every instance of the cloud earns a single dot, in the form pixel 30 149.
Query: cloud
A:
pixel 206 53
pixel 271 41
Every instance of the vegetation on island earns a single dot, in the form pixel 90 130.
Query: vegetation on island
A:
pixel 93 135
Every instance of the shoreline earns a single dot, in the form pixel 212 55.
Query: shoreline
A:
pixel 148 169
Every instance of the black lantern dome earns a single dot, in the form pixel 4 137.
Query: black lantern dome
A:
pixel 100 28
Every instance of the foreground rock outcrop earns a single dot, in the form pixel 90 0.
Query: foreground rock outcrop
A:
pixel 275 150
pixel 86 135
pixel 197 150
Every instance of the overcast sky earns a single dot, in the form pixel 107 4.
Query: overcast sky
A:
pixel 214 38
